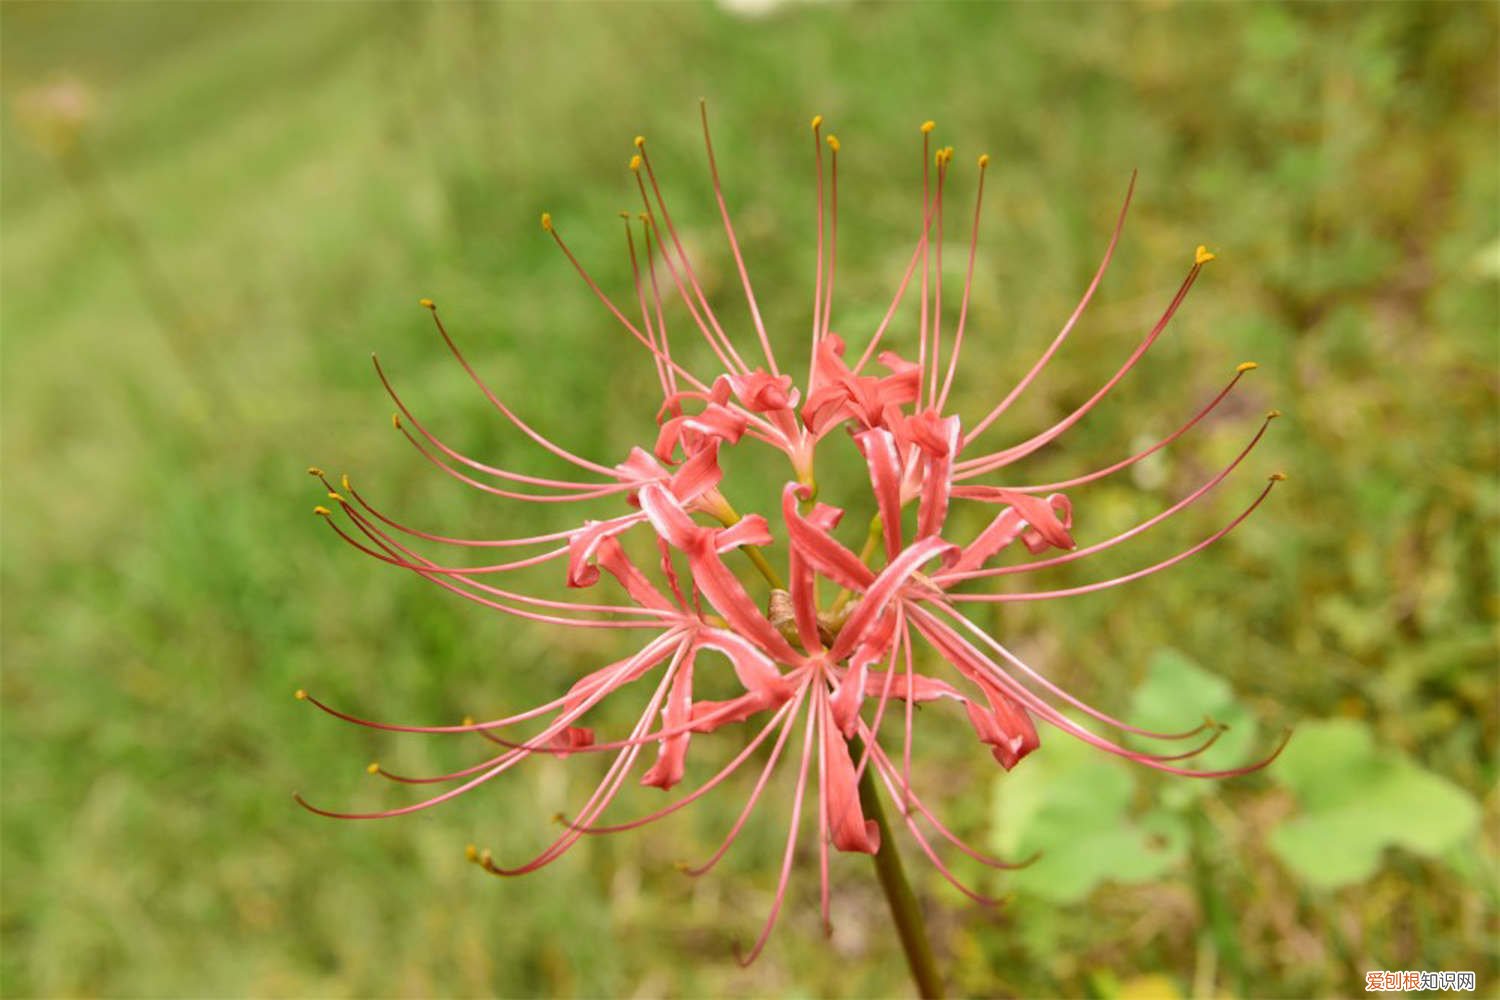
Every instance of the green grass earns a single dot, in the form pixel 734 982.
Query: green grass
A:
pixel 300 175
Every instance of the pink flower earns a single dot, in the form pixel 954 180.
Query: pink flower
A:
pixel 834 669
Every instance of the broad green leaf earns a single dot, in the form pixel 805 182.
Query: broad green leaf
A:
pixel 1177 695
pixel 1358 799
pixel 1071 803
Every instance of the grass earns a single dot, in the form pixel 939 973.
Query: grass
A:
pixel 300 175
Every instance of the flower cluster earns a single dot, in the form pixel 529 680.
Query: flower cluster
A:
pixel 835 666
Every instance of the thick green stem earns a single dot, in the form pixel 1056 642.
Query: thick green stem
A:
pixel 903 902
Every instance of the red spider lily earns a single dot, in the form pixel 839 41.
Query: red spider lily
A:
pixel 832 667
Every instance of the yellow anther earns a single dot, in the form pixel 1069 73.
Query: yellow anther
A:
pixel 344 479
pixel 646 218
pixel 1277 477
pixel 833 143
pixel 322 511
pixel 486 858
pixel 559 819
pixel 313 470
pixel 468 720
pixel 471 852
pixel 547 221
pixel 335 497
pixel 939 158
pixel 1202 255
pixel 396 421
pixel 928 126
pixel 427 303
pixel 301 695
pixel 635 162
pixel 984 160
pixel 817 121
pixel 640 142
pixel 374 767
pixel 1245 366
pixel 1272 414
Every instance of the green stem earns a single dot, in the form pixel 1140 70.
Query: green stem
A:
pixel 903 902
pixel 729 517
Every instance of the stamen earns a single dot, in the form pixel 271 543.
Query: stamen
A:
pixel 927 212
pixel 489 394
pixel 833 234
pixel 590 493
pixel 755 792
pixel 738 363
pixel 448 540
pixel 1044 595
pixel 607 788
pixel 976 660
pixel 661 318
pixel 734 244
pixel 817 310
pixel 791 844
pixel 710 784
pixel 1009 455
pixel 609 304
pixel 640 296
pixel 467 591
pixel 947 579
pixel 973 492
pixel 944 157
pixel 963 307
pixel 1062 335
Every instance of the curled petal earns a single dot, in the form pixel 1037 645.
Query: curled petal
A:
pixel 671 759
pixel 939 439
pixel 878 445
pixel 751 529
pixel 904 382
pixel 803 594
pixel 571 738
pixel 818 546
pixel 1006 727
pixel 848 828
pixel 756 672
pixel 695 477
pixel 847 698
pixel 716 422
pixel 760 392
pixel 1038 523
pixel 722 588
pixel 583 547
pixel 612 557
pixel 884 589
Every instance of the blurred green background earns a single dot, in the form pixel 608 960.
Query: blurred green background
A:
pixel 213 212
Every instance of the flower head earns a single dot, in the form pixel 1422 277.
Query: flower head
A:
pixel 839 669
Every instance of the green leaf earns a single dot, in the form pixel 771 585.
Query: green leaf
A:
pixel 1176 695
pixel 1358 799
pixel 1071 802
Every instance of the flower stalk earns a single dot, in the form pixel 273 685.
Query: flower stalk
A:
pixel 906 912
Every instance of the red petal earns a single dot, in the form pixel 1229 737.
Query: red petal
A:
pixel 849 829
pixel 817 545
pixel 932 511
pixel 671 760
pixel 884 589
pixel 879 448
